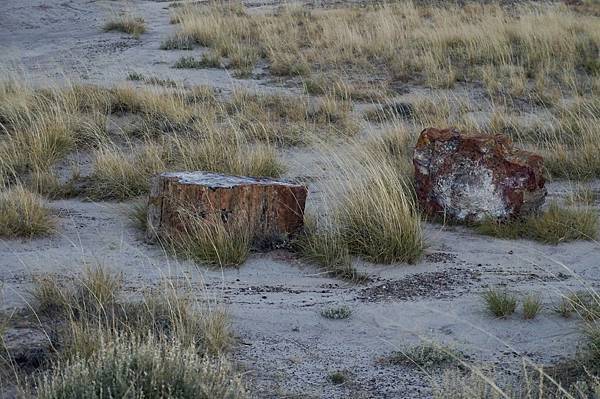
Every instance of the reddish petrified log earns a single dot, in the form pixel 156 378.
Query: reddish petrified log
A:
pixel 273 208
pixel 474 177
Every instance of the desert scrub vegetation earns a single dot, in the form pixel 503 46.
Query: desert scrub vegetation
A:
pixel 40 127
pixel 121 172
pixel 165 345
pixel 437 44
pixel 23 213
pixel 142 367
pixel 552 226
pixel 126 23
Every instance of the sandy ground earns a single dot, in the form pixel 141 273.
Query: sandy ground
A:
pixel 286 347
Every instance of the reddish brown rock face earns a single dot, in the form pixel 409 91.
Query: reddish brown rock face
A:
pixel 274 209
pixel 473 177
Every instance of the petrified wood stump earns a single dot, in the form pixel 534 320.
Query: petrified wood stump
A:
pixel 274 209
pixel 473 177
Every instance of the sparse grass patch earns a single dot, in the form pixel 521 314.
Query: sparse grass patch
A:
pixel 124 173
pixel 91 309
pixel 126 23
pixel 135 76
pixel 212 241
pixel 500 303
pixel 336 312
pixel 209 59
pixel 23 213
pixel 584 304
pixel 424 356
pixel 553 226
pixel 326 246
pixel 139 215
pixel 531 306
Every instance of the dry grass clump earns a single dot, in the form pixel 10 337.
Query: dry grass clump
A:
pixel 573 142
pixel 161 346
pixel 287 120
pixel 345 89
pixel 228 154
pixel 531 306
pixel 23 213
pixel 142 367
pixel 126 23
pixel 553 226
pixel 41 126
pixel 437 44
pixel 124 173
pixel 212 240
pixel 325 245
pixel 500 303
pixel 378 216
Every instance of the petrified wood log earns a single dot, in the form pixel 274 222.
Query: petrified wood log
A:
pixel 473 177
pixel 274 209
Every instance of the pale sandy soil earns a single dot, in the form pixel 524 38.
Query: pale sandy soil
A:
pixel 286 347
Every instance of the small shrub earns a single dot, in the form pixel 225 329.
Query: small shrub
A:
pixel 23 213
pixel 337 377
pixel 139 367
pixel 187 63
pixel 500 304
pixel 210 59
pixel 531 306
pixel 336 312
pixel 126 23
pixel 424 356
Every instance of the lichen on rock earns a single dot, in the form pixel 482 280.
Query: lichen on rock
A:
pixel 470 178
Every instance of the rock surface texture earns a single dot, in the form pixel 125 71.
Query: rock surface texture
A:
pixel 474 177
pixel 274 208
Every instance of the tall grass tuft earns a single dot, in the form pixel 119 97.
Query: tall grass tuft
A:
pixel 326 246
pixel 500 303
pixel 379 219
pixel 213 241
pixel 23 213
pixel 126 23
